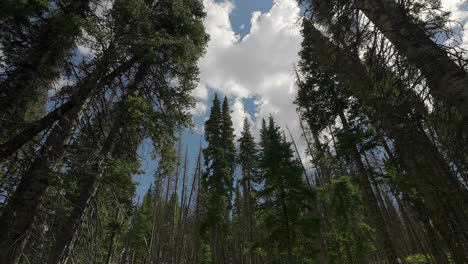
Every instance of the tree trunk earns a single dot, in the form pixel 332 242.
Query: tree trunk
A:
pixel 448 82
pixel 19 213
pixel 34 128
pixel 425 168
pixel 67 234
pixel 22 208
pixel 373 211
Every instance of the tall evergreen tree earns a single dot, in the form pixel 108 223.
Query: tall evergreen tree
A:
pixel 218 179
pixel 285 197
pixel 248 160
pixel 447 81
pixel 140 42
pixel 381 109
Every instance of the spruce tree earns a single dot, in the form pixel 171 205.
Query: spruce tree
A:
pixel 284 194
pixel 218 178
pixel 248 160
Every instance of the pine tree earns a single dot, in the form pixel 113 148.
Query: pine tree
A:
pixel 142 227
pixel 151 40
pixel 248 160
pixel 36 63
pixel 285 196
pixel 446 80
pixel 218 179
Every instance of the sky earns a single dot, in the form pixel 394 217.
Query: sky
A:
pixel 250 58
pixel 253 47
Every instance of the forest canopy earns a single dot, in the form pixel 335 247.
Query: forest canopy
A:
pixel 92 89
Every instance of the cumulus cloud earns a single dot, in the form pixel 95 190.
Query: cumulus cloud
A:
pixel 259 66
pixel 199 108
pixel 238 115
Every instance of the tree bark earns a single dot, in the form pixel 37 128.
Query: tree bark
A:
pixel 374 212
pixel 34 128
pixel 448 82
pixel 426 170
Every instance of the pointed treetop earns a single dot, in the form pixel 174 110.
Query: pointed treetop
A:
pixel 225 105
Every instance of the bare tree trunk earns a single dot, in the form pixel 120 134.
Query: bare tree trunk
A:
pixel 374 212
pixel 179 245
pixel 110 247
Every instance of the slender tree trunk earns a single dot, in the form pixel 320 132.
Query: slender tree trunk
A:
pixel 173 233
pixel 426 170
pixel 448 82
pixel 110 247
pixel 435 246
pixel 34 128
pixel 20 212
pixel 286 221
pixel 179 245
pixel 22 208
pixel 374 212
pixel 67 234
pixel 186 247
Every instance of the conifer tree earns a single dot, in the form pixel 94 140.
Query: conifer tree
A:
pixel 248 160
pixel 218 179
pixel 151 40
pixel 446 80
pixel 284 194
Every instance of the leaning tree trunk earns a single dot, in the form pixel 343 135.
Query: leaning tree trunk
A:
pixel 34 128
pixel 448 82
pixel 373 211
pixel 67 234
pixel 426 170
pixel 19 213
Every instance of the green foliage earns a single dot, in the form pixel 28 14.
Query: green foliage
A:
pixel 142 225
pixel 350 240
pixel 417 259
pixel 284 194
pixel 207 257
pixel 219 159
pixel 346 140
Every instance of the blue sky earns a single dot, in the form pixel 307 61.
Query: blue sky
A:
pixel 243 11
pixel 250 58
pixel 240 20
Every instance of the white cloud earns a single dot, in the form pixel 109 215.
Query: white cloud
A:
pixel 199 108
pixel 102 8
pixel 241 27
pixel 459 14
pixel 259 65
pixel 238 115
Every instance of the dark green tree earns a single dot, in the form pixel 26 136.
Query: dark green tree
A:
pixel 218 179
pixel 285 197
pixel 143 46
pixel 248 160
